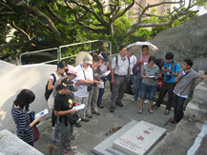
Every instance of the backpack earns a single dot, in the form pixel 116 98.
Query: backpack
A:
pixel 48 92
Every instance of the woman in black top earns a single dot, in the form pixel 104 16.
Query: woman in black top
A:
pixel 24 127
pixel 63 109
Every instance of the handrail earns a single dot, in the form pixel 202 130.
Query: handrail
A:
pixel 38 51
pixel 58 49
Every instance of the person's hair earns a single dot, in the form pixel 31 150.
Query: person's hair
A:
pixel 62 82
pixel 145 46
pixel 189 62
pixel 61 64
pixel 96 57
pixel 151 58
pixel 101 49
pixel 24 98
pixel 169 56
pixel 121 47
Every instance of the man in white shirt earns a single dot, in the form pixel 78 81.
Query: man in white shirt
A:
pixel 120 74
pixel 133 61
pixel 82 81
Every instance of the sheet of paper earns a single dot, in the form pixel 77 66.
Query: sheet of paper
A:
pixel 105 74
pixel 41 113
pixel 152 76
pixel 100 84
pixel 79 107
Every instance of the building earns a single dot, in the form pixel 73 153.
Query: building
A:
pixel 161 9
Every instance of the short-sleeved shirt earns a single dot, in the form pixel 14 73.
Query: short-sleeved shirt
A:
pixel 86 75
pixel 152 71
pixel 144 59
pixel 184 85
pixel 174 69
pixel 120 66
pixel 133 61
pixel 63 102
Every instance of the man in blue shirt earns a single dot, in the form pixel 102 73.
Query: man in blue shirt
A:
pixel 171 69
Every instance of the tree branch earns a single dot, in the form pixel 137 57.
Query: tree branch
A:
pixel 40 14
pixel 60 19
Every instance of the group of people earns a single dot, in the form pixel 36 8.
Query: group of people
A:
pixel 84 85
pixel 177 80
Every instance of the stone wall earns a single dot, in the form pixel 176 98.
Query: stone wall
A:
pixel 13 80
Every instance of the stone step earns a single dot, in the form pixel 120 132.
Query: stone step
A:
pixel 196 110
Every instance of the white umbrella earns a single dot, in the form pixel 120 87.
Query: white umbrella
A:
pixel 134 47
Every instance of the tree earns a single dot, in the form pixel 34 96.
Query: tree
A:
pixel 164 20
pixel 49 23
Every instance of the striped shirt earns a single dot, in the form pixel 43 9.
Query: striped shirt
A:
pixel 22 121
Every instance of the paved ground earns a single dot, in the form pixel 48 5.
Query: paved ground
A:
pixel 98 128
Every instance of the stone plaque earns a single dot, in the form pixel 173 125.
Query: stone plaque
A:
pixel 139 139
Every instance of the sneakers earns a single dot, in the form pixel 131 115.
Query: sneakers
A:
pixel 72 147
pixel 173 121
pixel 120 104
pixel 101 106
pixel 167 112
pixel 96 113
pixel 84 119
pixel 133 99
pixel 112 109
pixel 89 116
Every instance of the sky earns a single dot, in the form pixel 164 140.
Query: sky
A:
pixel 202 10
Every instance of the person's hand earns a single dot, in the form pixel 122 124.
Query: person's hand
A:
pixel 77 83
pixel 72 111
pixel 112 81
pixel 79 103
pixel 147 75
pixel 95 81
pixel 176 80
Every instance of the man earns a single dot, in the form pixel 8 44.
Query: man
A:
pixel 133 61
pixel 171 69
pixel 120 74
pixel 183 87
pixel 84 79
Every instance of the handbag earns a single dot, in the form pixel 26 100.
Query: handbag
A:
pixel 136 69
pixel 36 133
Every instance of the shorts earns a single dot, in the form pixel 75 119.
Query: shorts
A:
pixel 147 90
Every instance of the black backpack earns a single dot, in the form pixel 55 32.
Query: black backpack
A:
pixel 48 92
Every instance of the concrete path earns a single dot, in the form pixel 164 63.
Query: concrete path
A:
pixel 98 128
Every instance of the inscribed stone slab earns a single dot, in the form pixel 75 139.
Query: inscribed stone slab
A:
pixel 139 139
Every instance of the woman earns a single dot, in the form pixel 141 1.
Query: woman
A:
pixel 104 67
pixel 64 102
pixel 93 95
pixel 61 67
pixel 141 61
pixel 149 74
pixel 24 127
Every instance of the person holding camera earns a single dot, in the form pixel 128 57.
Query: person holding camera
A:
pixel 93 94
pixel 171 69
pixel 84 82
pixel 63 109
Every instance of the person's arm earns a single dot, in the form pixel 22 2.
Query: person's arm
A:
pixel 85 82
pixel 203 76
pixel 112 75
pixel 129 73
pixel 62 113
pixel 35 121
pixel 50 84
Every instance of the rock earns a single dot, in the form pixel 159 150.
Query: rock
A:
pixel 185 41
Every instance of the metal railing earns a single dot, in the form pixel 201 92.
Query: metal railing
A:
pixel 59 50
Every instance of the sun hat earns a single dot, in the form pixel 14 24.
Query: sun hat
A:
pixel 88 59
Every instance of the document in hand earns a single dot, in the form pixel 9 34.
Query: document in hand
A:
pixel 100 84
pixel 152 76
pixel 79 107
pixel 105 74
pixel 41 113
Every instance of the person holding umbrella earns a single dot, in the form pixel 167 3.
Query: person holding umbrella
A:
pixel 141 61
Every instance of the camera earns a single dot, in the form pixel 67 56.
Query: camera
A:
pixel 90 87
pixel 168 77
